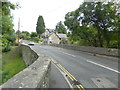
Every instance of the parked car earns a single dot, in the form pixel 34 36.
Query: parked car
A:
pixel 31 43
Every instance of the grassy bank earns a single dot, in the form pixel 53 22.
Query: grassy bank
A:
pixel 12 63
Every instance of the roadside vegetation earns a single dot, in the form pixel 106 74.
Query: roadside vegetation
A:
pixel 40 28
pixel 11 58
pixel 12 63
pixel 60 28
pixel 25 35
pixel 94 24
pixel 8 33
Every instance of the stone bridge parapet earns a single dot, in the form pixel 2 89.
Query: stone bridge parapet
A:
pixel 36 73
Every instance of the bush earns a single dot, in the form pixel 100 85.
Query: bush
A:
pixel 7 41
pixel 6 49
pixel 113 44
pixel 40 40
pixel 12 63
pixel 15 44
pixel 6 45
pixel 64 41
pixel 35 39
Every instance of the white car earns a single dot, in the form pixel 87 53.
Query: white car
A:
pixel 31 43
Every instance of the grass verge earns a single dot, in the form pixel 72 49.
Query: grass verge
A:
pixel 12 63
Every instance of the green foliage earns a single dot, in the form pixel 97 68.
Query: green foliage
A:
pixel 35 39
pixel 60 28
pixel 27 36
pixel 24 35
pixel 0 40
pixel 102 16
pixel 8 34
pixel 12 63
pixel 7 26
pixel 6 6
pixel 40 28
pixel 92 23
pixel 7 40
pixel 33 34
pixel 64 41
pixel 6 45
pixel 40 40
pixel 15 44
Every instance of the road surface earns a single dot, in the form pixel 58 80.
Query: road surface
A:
pixel 91 71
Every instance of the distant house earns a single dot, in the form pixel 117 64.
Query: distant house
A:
pixel 54 38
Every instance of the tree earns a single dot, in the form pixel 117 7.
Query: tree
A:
pixel 8 33
pixel 99 18
pixel 102 16
pixel 60 28
pixel 33 34
pixel 40 28
pixel 24 35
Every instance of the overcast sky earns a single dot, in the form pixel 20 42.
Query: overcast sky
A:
pixel 52 11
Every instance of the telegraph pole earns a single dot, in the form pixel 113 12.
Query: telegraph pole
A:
pixel 18 31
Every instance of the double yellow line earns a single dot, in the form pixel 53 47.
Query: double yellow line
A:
pixel 69 75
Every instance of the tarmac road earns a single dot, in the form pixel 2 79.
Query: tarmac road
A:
pixel 91 71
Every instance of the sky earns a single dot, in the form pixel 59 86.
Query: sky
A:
pixel 52 11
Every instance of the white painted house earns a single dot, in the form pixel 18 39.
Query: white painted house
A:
pixel 54 38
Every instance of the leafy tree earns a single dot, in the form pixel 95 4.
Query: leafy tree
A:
pixel 40 28
pixel 8 33
pixel 60 28
pixel 70 21
pixel 35 39
pixel 93 19
pixel 106 21
pixel 102 16
pixel 25 35
pixel 33 34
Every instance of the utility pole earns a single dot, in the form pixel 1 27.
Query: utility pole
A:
pixel 18 31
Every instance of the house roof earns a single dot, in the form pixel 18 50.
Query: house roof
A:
pixel 60 35
pixel 50 30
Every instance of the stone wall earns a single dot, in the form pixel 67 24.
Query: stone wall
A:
pixel 96 50
pixel 29 56
pixel 36 75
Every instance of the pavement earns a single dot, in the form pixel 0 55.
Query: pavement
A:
pixel 90 71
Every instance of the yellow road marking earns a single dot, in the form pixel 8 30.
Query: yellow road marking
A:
pixel 64 70
pixel 66 73
pixel 82 87
pixel 70 76
pixel 77 86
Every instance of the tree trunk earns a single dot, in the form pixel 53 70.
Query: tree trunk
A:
pixel 39 36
